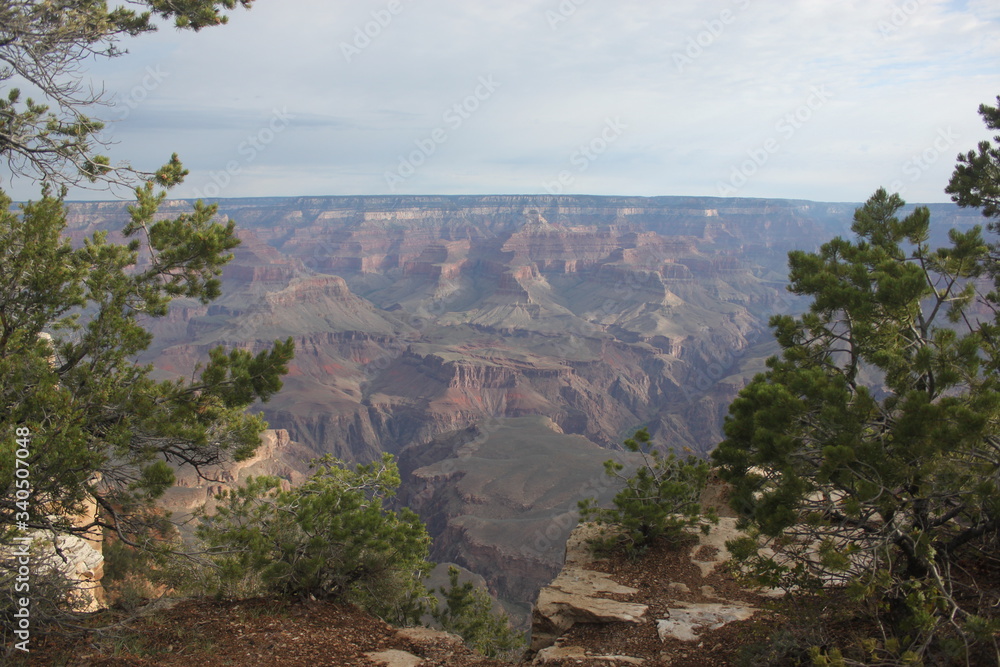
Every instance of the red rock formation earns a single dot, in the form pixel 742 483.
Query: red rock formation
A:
pixel 419 317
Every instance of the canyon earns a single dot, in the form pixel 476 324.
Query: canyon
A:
pixel 501 347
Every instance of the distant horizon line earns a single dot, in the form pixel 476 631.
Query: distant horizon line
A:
pixel 493 195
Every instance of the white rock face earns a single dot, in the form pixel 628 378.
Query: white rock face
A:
pixel 79 560
pixel 687 621
pixel 82 559
pixel 577 603
pixel 394 658
pixel 559 654
pixel 716 538
pixel 575 596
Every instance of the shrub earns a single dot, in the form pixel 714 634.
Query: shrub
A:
pixel 661 499
pixel 468 613
pixel 330 538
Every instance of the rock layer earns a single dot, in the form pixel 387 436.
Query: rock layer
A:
pixel 418 318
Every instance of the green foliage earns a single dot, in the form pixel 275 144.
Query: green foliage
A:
pixel 134 576
pixel 71 326
pixel 866 455
pixel 976 180
pixel 195 14
pixel 468 613
pixel 331 537
pixel 661 499
pixel 46 43
pixel 80 417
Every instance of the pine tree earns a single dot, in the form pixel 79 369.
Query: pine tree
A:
pixel 976 180
pixel 93 423
pixel 868 454
pixel 43 46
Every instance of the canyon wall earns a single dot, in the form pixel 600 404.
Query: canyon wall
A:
pixel 500 346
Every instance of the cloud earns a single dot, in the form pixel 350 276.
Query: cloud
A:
pixel 701 86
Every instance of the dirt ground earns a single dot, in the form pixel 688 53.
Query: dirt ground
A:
pixel 214 633
pixel 217 633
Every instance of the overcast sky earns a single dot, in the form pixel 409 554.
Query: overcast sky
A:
pixel 814 99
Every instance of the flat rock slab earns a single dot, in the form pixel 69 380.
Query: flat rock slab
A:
pixel 580 608
pixel 717 537
pixel 564 603
pixel 394 658
pixel 557 654
pixel 688 621
pixel 419 634
pixel 588 582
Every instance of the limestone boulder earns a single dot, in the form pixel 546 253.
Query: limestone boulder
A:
pixel 687 621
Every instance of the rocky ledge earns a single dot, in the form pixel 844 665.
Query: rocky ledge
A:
pixel 667 607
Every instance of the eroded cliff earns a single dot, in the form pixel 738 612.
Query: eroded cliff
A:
pixel 499 345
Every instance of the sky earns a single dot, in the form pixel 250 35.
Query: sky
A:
pixel 825 100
